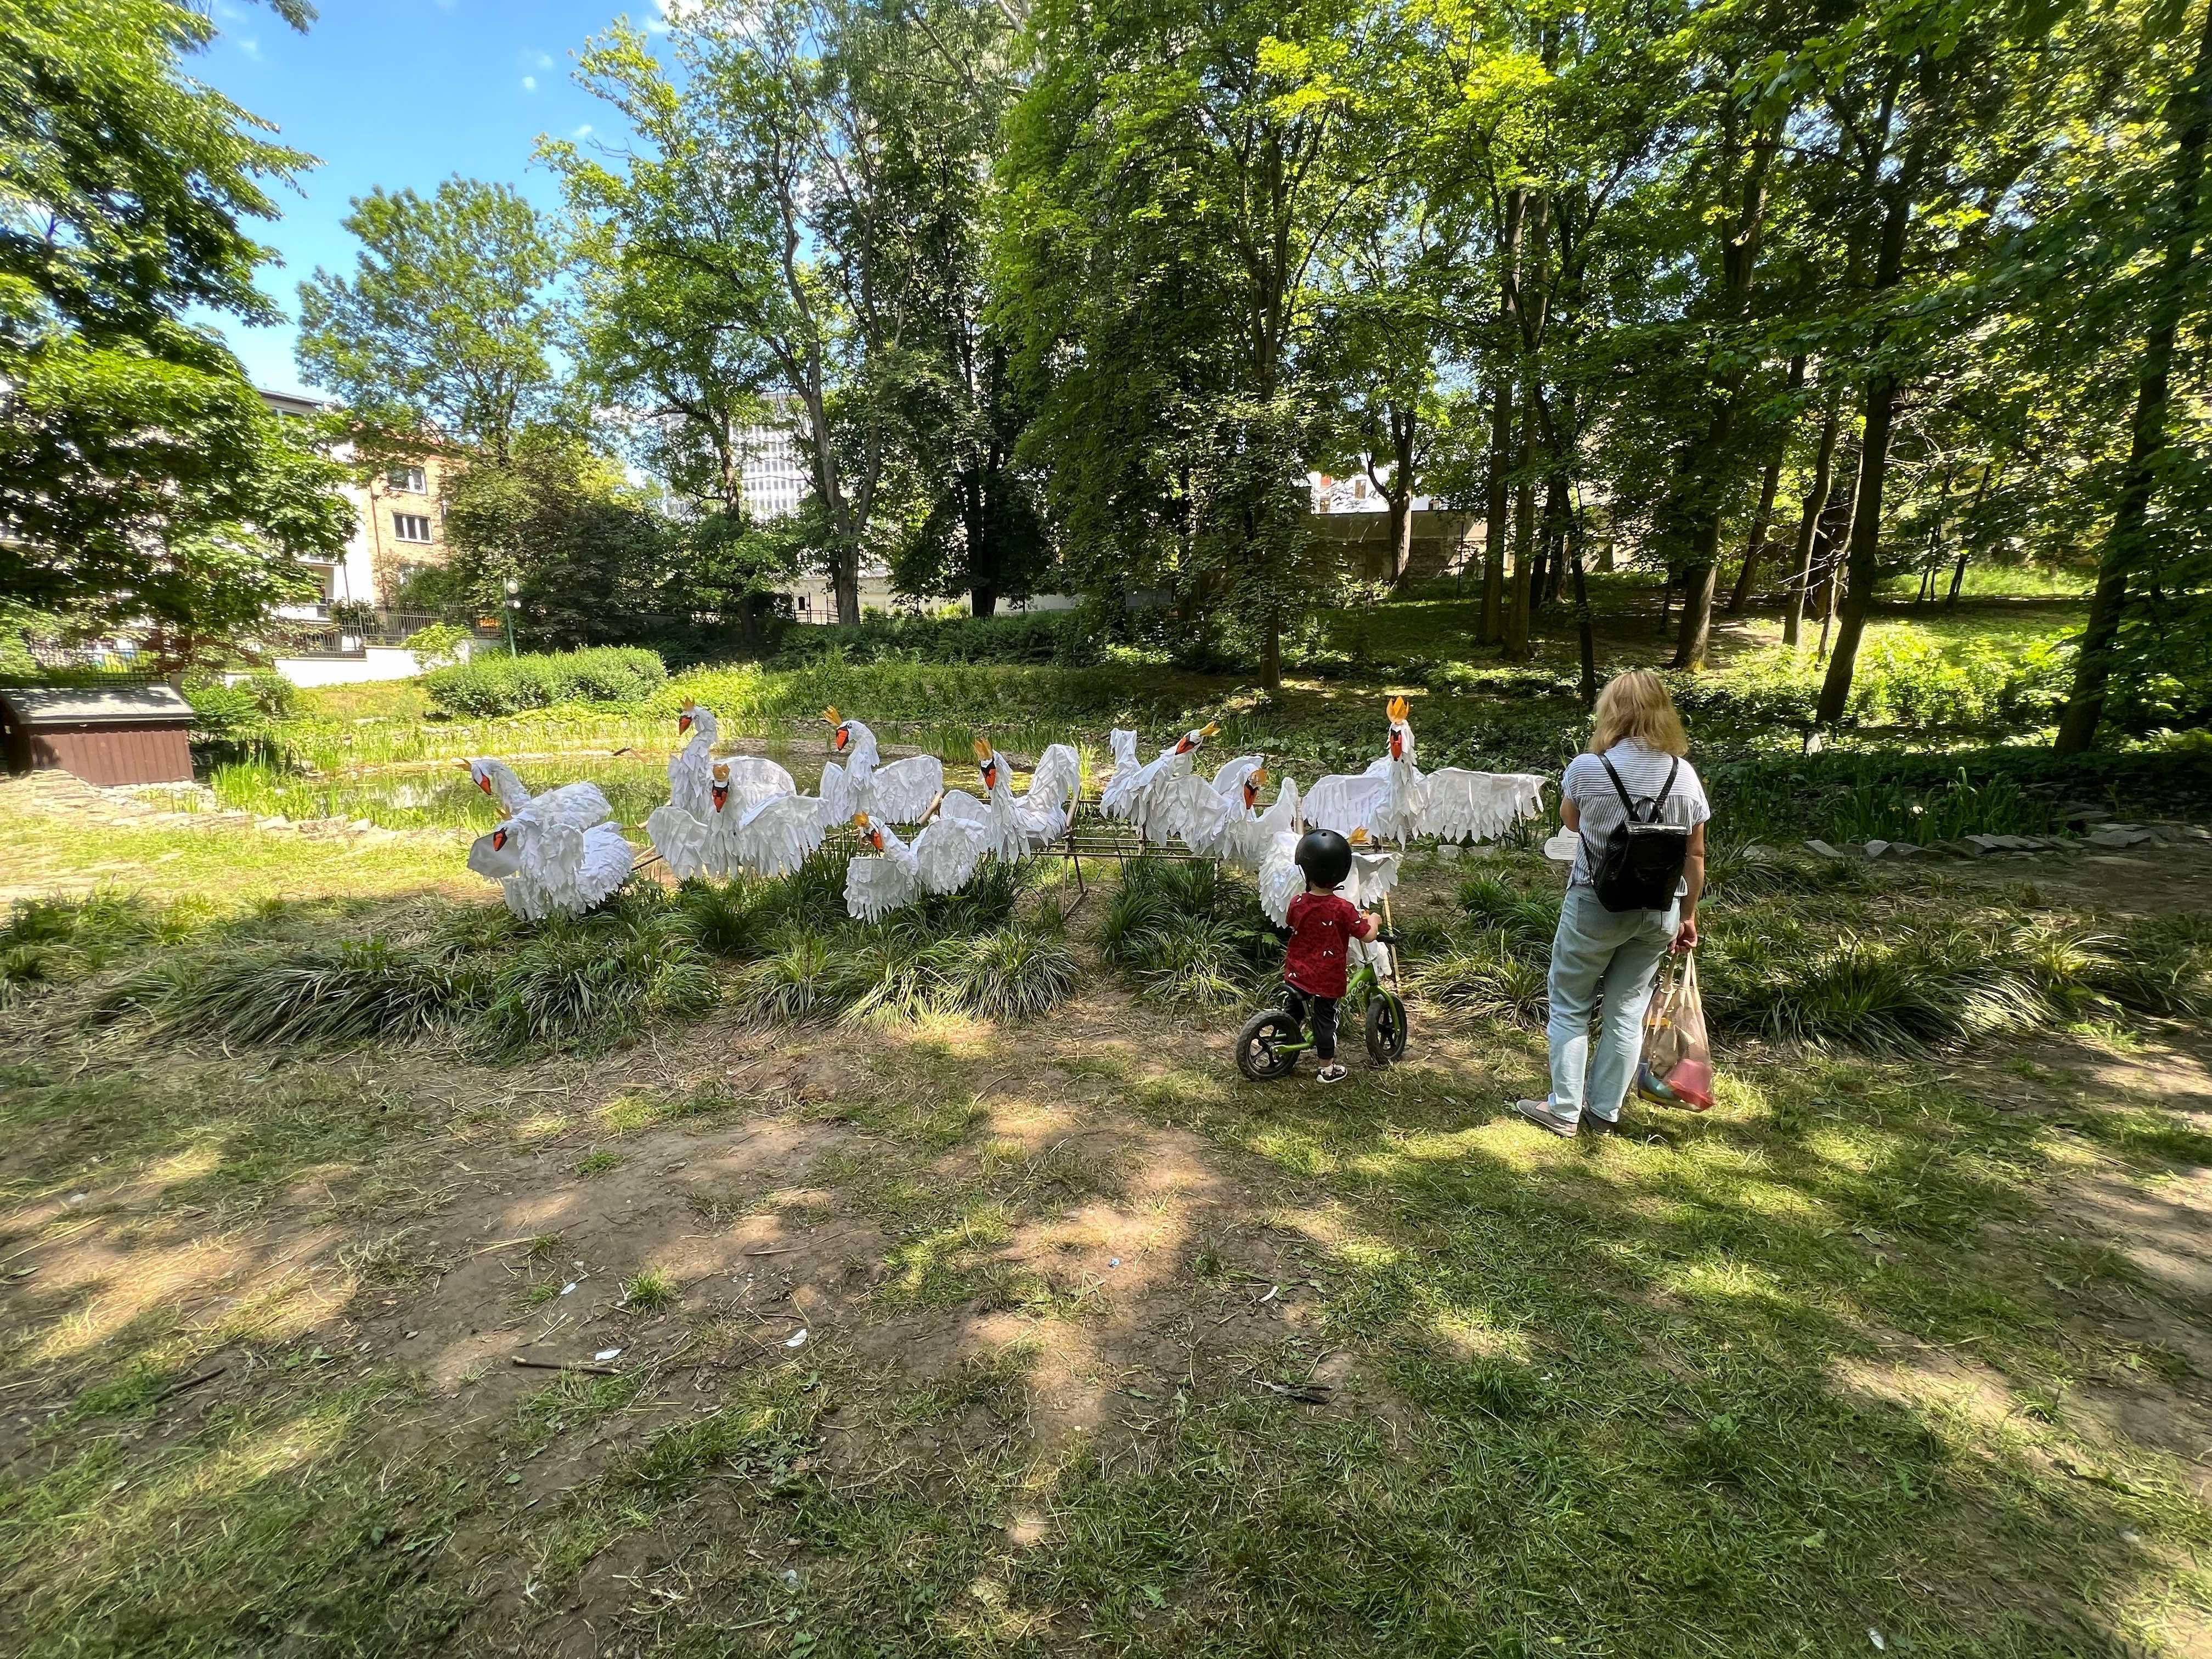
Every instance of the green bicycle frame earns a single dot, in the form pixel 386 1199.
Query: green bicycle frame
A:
pixel 1363 984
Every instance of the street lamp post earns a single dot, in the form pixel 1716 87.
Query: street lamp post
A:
pixel 514 605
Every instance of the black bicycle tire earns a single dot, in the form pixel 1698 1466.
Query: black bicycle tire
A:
pixel 1253 1029
pixel 1385 1047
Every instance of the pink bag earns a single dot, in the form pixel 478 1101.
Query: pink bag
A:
pixel 1678 1064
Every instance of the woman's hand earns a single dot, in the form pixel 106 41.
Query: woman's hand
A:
pixel 1686 936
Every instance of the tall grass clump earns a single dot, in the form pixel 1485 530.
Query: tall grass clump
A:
pixel 585 985
pixel 491 684
pixel 1490 972
pixel 1892 812
pixel 961 953
pixel 1526 916
pixel 1904 990
pixel 1190 932
pixel 49 942
pixel 350 991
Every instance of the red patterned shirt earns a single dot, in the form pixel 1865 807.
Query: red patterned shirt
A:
pixel 1322 927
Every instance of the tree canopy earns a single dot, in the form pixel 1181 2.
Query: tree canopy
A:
pixel 143 483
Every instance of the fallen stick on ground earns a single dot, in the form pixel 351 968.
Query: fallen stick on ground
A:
pixel 208 1376
pixel 564 1366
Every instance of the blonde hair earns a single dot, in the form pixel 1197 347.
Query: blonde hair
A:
pixel 1635 704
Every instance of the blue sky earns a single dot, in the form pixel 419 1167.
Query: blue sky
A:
pixel 396 93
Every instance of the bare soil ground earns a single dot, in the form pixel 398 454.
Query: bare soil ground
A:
pixel 954 1282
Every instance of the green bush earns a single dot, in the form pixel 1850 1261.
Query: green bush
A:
pixel 492 684
pixel 438 646
pixel 1038 637
pixel 588 984
pixel 233 717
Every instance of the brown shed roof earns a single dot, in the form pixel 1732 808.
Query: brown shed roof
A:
pixel 32 707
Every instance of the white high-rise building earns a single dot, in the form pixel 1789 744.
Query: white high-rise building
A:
pixel 776 477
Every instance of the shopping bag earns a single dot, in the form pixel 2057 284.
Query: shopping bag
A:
pixel 1678 1065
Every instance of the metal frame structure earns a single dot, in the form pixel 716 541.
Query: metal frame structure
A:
pixel 1090 834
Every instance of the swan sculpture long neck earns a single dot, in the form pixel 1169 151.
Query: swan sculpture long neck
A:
pixel 863 758
pixel 506 787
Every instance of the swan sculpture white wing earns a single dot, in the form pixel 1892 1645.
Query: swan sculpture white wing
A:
pixel 902 793
pixel 1056 784
pixel 1114 798
pixel 686 845
pixel 1202 815
pixel 779 834
pixel 754 779
pixel 579 805
pixel 941 859
pixel 547 869
pixel 1170 763
pixel 1393 800
pixel 1189 810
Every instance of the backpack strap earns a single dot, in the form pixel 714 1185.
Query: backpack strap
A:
pixel 1620 788
pixel 1657 802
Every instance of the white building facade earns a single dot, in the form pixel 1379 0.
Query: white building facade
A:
pixel 776 477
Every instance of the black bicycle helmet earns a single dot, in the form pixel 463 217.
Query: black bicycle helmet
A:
pixel 1325 856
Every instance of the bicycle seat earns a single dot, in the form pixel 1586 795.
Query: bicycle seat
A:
pixel 1388 936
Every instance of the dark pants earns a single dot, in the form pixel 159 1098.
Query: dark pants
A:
pixel 1303 1006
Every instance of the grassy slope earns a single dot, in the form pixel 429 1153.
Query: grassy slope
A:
pixel 1830 1360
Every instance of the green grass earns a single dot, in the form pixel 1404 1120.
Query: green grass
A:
pixel 1632 1398
pixel 1831 1358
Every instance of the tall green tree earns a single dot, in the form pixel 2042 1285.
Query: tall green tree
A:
pixel 2136 544
pixel 143 481
pixel 762 164
pixel 1185 171
pixel 452 320
pixel 1940 106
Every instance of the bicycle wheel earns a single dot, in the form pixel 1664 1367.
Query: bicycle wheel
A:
pixel 1260 1054
pixel 1386 1027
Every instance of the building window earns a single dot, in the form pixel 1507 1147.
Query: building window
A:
pixel 407 478
pixel 412 526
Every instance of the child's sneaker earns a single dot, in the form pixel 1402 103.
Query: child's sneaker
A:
pixel 1331 1072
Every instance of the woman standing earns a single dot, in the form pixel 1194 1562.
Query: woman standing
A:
pixel 1639 814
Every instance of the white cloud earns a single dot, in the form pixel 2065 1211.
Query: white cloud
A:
pixel 529 83
pixel 544 59
pixel 250 46
pixel 584 131
pixel 672 12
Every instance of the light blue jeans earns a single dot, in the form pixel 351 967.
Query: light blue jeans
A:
pixel 1615 953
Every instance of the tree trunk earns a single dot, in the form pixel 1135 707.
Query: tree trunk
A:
pixel 1835 538
pixel 982 600
pixel 1699 583
pixel 1934 562
pixel 1524 532
pixel 1493 527
pixel 1755 546
pixel 2190 117
pixel 1701 472
pixel 1881 395
pixel 1404 434
pixel 1555 542
pixel 1270 655
pixel 1863 548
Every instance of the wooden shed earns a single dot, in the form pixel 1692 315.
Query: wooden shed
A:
pixel 106 734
